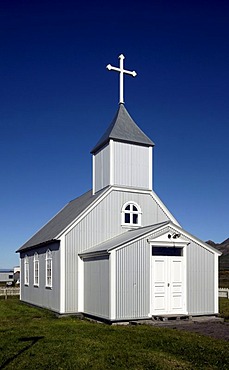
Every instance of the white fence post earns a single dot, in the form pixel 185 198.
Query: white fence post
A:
pixel 5 292
pixel 224 293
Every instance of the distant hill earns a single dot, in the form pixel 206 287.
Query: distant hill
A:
pixel 223 262
pixel 224 248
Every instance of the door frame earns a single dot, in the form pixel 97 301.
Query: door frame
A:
pixel 176 244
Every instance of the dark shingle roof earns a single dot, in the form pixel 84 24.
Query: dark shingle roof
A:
pixel 123 128
pixel 61 220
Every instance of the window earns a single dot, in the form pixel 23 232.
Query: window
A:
pixel 131 214
pixel 26 270
pixel 36 269
pixel 48 269
pixel 167 251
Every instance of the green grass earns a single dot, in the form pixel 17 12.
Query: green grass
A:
pixel 224 308
pixel 33 338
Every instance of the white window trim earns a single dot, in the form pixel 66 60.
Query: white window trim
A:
pixel 48 258
pixel 36 263
pixel 26 270
pixel 138 212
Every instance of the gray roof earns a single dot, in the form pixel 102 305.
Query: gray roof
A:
pixel 131 235
pixel 63 219
pixel 123 128
pixel 124 238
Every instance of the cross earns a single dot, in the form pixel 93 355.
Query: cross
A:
pixel 121 70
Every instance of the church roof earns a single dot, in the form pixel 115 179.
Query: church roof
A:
pixel 123 128
pixel 130 236
pixel 121 239
pixel 61 220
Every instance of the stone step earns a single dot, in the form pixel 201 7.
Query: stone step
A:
pixel 171 317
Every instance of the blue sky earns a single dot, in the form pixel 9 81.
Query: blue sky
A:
pixel 57 99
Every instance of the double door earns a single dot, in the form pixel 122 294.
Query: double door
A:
pixel 168 285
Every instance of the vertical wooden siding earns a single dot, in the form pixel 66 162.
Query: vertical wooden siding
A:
pixel 200 280
pixel 131 165
pixel 102 168
pixel 96 286
pixel 133 281
pixel 102 223
pixel 40 295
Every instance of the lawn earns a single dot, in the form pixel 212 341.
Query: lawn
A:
pixel 224 308
pixel 33 338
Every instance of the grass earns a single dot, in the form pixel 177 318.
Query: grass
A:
pixel 224 308
pixel 32 338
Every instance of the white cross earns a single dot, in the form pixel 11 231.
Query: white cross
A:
pixel 121 70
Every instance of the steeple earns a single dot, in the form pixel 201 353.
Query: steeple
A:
pixel 124 154
pixel 123 128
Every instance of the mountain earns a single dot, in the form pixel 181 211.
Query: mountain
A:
pixel 224 248
pixel 223 261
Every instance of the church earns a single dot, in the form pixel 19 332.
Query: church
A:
pixel 116 252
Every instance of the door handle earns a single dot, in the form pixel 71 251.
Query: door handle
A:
pixel 168 284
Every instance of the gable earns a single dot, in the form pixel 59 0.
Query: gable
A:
pixel 164 234
pixel 104 219
pixel 104 207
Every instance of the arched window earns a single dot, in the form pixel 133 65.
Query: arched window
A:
pixel 131 214
pixel 48 261
pixel 36 269
pixel 26 270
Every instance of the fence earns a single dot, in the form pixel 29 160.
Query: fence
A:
pixel 9 292
pixel 224 293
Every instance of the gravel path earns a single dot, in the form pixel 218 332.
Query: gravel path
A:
pixel 212 327
pixel 218 330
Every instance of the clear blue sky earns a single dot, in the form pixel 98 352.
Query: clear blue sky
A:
pixel 57 99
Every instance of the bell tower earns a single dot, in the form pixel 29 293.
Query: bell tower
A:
pixel 124 154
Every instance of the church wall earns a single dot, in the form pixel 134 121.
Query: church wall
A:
pixel 96 286
pixel 133 281
pixel 102 223
pixel 132 165
pixel 101 168
pixel 40 295
pixel 200 280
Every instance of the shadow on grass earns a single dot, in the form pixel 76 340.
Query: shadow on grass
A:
pixel 33 341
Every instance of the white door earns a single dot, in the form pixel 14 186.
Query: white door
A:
pixel 167 285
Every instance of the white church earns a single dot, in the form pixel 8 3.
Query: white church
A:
pixel 116 252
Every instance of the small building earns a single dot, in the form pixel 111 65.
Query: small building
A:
pixel 17 274
pixel 6 276
pixel 116 252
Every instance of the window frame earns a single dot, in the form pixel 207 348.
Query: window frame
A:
pixel 131 212
pixel 36 269
pixel 26 270
pixel 48 269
